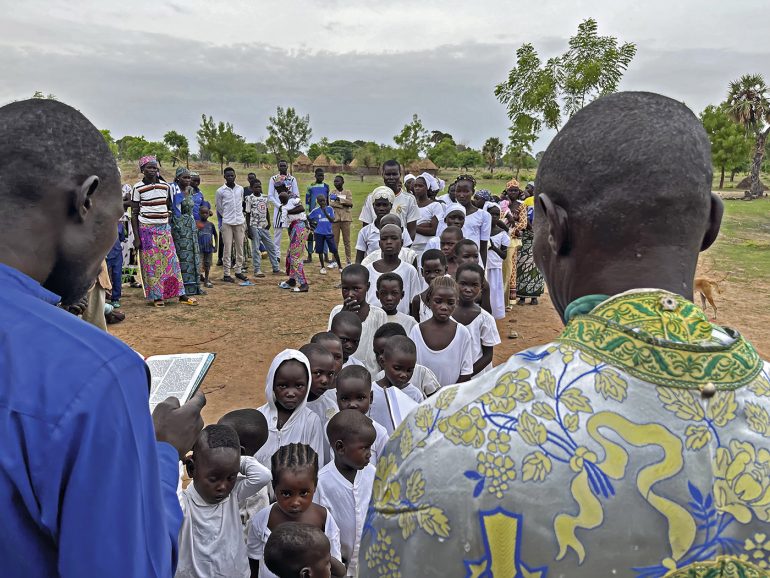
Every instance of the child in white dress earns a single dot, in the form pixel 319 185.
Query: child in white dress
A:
pixel 354 391
pixel 499 241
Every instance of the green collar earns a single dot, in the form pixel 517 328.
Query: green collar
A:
pixel 583 305
pixel 662 338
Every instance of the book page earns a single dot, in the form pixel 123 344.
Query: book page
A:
pixel 176 375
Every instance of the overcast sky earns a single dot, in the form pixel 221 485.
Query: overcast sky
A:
pixel 359 69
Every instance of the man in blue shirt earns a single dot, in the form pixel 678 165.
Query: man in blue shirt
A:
pixel 87 488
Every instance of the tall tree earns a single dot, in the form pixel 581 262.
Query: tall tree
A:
pixel 444 154
pixel 290 132
pixel 411 141
pixel 248 155
pixel 730 146
pixel 519 150
pixel 748 103
pixel 110 141
pixel 219 140
pixel 469 158
pixel 492 151
pixel 436 136
pixel 342 150
pixel 318 148
pixel 275 149
pixel 539 94
pixel 368 155
pixel 179 147
pixel 39 94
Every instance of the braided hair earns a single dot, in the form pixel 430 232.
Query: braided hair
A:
pixel 469 178
pixel 442 282
pixel 293 457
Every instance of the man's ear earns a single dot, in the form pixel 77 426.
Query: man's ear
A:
pixel 556 219
pixel 305 573
pixel 715 222
pixel 82 201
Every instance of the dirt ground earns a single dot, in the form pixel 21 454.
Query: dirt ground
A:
pixel 247 326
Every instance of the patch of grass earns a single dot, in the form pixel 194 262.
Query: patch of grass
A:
pixel 743 245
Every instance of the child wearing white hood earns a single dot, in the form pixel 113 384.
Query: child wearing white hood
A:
pixel 289 420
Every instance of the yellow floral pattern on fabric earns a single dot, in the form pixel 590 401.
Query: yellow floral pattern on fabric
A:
pixel 561 417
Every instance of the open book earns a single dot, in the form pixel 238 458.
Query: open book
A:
pixel 177 375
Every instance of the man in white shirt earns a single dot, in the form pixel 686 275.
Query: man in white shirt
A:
pixel 229 200
pixel 283 176
pixel 404 204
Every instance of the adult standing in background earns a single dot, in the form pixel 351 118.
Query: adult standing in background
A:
pixel 404 204
pixel 150 211
pixel 87 488
pixel 229 200
pixel 529 280
pixel 284 177
pixel 341 200
pixel 185 232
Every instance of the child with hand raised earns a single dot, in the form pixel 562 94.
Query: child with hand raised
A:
pixel 295 476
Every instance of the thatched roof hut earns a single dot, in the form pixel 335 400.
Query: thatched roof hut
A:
pixel 325 163
pixel 745 184
pixel 423 166
pixel 303 164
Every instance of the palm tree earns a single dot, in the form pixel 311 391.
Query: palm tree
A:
pixel 749 105
pixel 493 150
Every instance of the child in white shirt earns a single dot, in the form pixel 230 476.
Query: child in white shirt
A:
pixel 345 484
pixel 321 401
pixel 422 383
pixel 354 391
pixel 390 293
pixel 211 537
pixel 499 242
pixel 390 244
pixel 288 418
pixel 298 551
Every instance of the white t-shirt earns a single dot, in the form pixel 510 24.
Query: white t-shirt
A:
pixel 259 533
pixel 325 407
pixel 348 504
pixel 368 239
pixel 374 321
pixel 422 378
pixel 406 254
pixel 493 259
pixel 477 227
pixel 404 205
pixel 427 213
pixel 408 275
pixel 483 330
pixel 379 443
pixel 211 536
pixel 404 320
pixel 449 363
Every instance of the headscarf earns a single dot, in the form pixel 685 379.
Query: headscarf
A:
pixel 484 194
pixel 441 184
pixel 147 159
pixel 194 174
pixel 513 183
pixel 383 192
pixel 452 207
pixel 430 181
pixel 487 205
pixel 181 171
pixel 409 177
pixel 531 184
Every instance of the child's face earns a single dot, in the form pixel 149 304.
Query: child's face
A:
pixel 448 243
pixel 443 303
pixel 464 193
pixel 257 188
pixel 355 451
pixel 195 182
pixel 214 472
pixel 319 176
pixel 294 491
pixel 468 254
pixel 478 202
pixel 469 286
pixel 338 182
pixel 455 219
pixel 318 560
pixel 349 336
pixel 382 207
pixel 399 367
pixel 495 212
pixel 354 288
pixel 290 384
pixel 230 177
pixel 390 295
pixel 354 393
pixel 322 370
pixel 390 240
pixel 378 345
pixel 204 213
pixel 334 347
pixel 432 269
pixel 321 200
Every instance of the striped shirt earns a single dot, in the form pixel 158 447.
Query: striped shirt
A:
pixel 152 199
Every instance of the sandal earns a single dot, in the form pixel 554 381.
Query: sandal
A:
pixel 158 303
pixel 188 301
pixel 300 289
pixel 284 285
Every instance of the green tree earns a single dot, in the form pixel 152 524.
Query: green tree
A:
pixel 110 141
pixel 469 158
pixel 368 155
pixel 539 94
pixel 179 147
pixel 135 147
pixel 411 141
pixel 318 148
pixel 342 150
pixel 444 154
pixel 492 151
pixel 290 133
pixel 39 94
pixel 519 151
pixel 729 145
pixel 248 155
pixel 436 136
pixel 219 140
pixel 748 104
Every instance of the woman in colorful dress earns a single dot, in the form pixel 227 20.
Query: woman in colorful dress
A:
pixel 293 216
pixel 516 217
pixel 150 209
pixel 529 280
pixel 185 233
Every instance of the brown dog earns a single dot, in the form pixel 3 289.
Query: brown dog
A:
pixel 706 287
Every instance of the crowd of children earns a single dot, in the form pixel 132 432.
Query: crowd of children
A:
pixel 283 490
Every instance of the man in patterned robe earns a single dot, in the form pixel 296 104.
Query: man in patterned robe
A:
pixel 634 445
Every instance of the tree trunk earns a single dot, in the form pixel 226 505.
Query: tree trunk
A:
pixel 722 178
pixel 756 164
pixel 732 175
pixel 517 172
